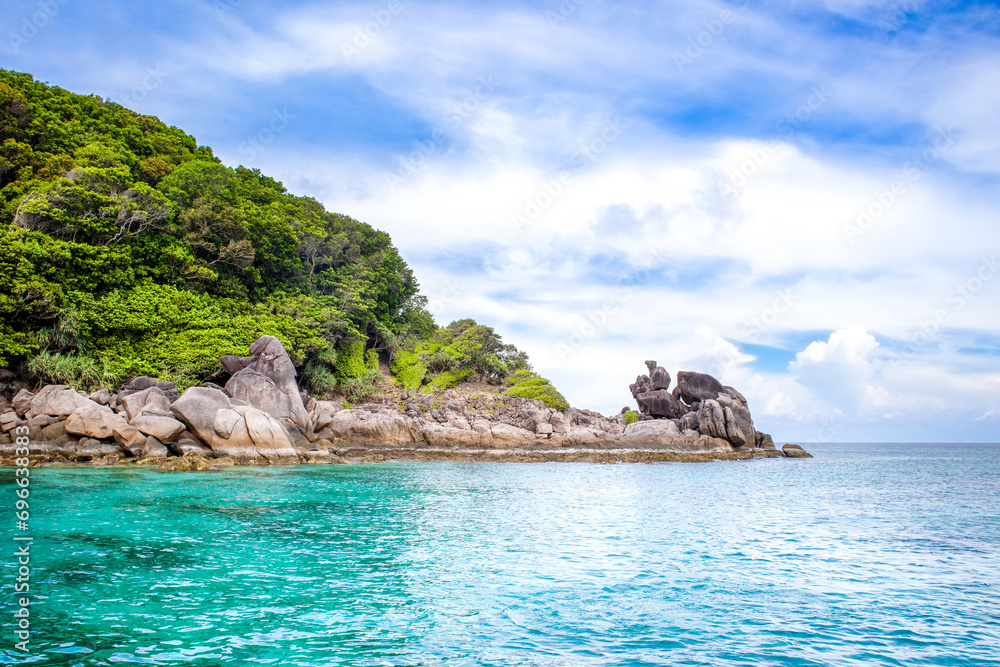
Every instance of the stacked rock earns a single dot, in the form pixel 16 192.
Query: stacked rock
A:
pixel 699 403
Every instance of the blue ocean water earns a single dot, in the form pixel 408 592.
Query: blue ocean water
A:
pixel 864 555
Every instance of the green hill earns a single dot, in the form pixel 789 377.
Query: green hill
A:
pixel 128 249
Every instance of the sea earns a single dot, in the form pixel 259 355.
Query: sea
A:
pixel 866 554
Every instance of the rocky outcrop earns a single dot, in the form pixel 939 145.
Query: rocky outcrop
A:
pixel 94 423
pixel 694 387
pixel 57 400
pixel 660 404
pixel 698 403
pixel 267 382
pixel 262 417
pixel 229 429
pixel 795 452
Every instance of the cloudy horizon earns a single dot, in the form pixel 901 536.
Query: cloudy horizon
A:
pixel 800 199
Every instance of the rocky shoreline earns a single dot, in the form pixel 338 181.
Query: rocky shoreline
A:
pixel 261 417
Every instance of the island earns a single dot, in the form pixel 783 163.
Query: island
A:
pixel 261 416
pixel 160 307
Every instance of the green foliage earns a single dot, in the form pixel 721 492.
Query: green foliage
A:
pixel 78 371
pixel 351 360
pixel 357 389
pixel 170 257
pixel 126 248
pixel 631 416
pixel 449 379
pixel 318 380
pixel 408 369
pixel 528 385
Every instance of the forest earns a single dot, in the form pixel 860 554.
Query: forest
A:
pixel 128 249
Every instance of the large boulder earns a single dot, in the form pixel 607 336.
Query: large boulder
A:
pixel 246 433
pixel 153 448
pixel 162 428
pixel 665 434
pixel 659 404
pixel 8 421
pixel 151 398
pixel 187 444
pixel 322 412
pixel 197 408
pixel 659 378
pixel 139 383
pixel 693 387
pixel 641 385
pixel 376 428
pixel 764 441
pixel 795 452
pixel 268 384
pixel 93 423
pixel 56 433
pixel 22 402
pixel 130 439
pixel 233 364
pixel 240 431
pixel 58 400
pixel 737 404
pixel 718 421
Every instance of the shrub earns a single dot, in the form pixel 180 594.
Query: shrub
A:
pixel 526 384
pixel 358 388
pixel 351 360
pixel 631 417
pixel 77 371
pixel 319 380
pixel 449 379
pixel 408 369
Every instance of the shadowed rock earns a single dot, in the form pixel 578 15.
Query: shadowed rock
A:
pixel 660 404
pixel 659 378
pixel 694 387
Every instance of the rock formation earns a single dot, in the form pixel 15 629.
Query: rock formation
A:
pixel 699 403
pixel 266 381
pixel 261 417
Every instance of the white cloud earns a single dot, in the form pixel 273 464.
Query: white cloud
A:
pixel 652 198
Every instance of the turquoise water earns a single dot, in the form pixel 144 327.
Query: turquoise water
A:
pixel 866 554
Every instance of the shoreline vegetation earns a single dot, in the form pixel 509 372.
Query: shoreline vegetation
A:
pixel 261 417
pixel 136 268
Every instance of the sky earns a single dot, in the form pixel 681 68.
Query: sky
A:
pixel 800 198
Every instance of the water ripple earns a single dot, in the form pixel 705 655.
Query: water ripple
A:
pixel 865 555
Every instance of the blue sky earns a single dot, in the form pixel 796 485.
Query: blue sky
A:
pixel 798 197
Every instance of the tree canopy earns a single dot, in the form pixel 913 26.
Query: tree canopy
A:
pixel 126 248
